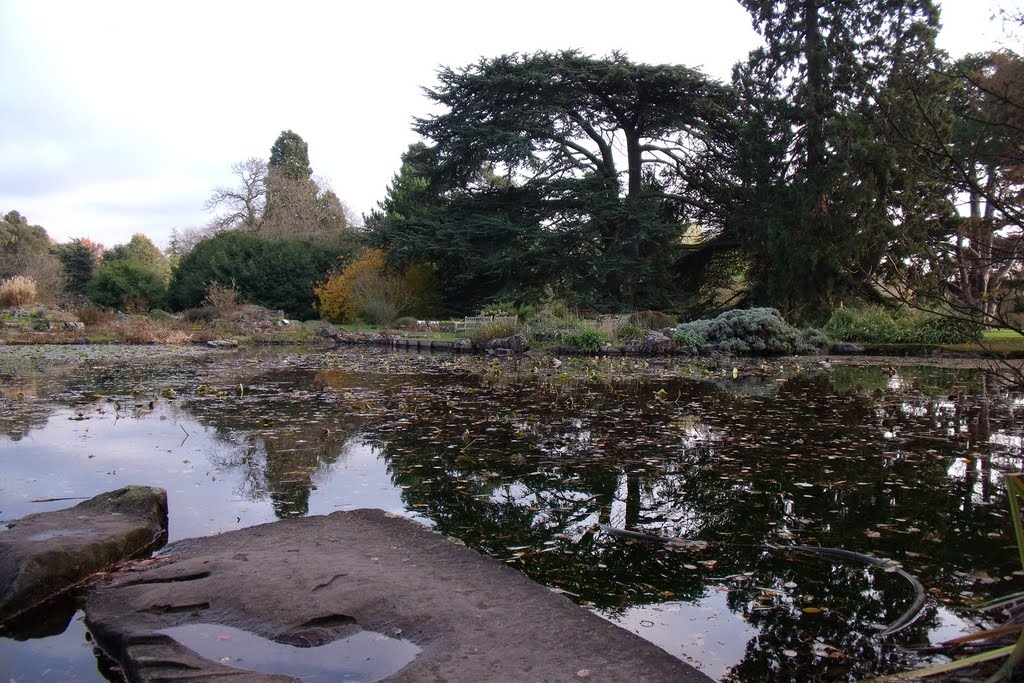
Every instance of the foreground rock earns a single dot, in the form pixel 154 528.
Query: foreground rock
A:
pixel 45 554
pixel 313 580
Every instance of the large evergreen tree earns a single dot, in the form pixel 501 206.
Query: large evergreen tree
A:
pixel 821 192
pixel 564 170
pixel 290 156
pixel 79 258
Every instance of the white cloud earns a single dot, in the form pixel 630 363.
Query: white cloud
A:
pixel 157 100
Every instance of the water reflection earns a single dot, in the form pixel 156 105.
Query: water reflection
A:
pixel 522 463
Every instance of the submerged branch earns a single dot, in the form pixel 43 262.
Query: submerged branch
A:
pixel 909 616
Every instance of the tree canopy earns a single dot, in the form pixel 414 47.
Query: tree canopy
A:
pixel 564 171
pixel 820 192
pixel 281 199
pixel 141 250
pixel 277 274
pixel 290 156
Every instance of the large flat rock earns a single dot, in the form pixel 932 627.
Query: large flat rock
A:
pixel 45 554
pixel 313 580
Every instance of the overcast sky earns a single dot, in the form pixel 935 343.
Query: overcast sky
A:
pixel 120 117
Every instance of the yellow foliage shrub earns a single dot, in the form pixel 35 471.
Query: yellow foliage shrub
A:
pixel 17 291
pixel 364 289
pixel 335 296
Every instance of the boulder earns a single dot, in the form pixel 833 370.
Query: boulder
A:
pixel 655 343
pixel 323 579
pixel 43 555
pixel 517 343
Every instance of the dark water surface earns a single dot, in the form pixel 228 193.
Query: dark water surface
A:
pixel 521 461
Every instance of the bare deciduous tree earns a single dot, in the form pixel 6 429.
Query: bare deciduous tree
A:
pixel 304 208
pixel 241 207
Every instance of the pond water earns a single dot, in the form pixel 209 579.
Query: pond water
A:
pixel 522 460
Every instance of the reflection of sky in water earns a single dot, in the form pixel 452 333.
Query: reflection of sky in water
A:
pixel 68 457
pixel 880 464
pixel 66 658
pixel 363 656
pixel 82 458
pixel 704 632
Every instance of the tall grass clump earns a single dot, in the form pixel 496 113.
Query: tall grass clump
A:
pixel 497 329
pixel 877 325
pixel 17 291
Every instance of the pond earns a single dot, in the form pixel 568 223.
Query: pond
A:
pixel 522 460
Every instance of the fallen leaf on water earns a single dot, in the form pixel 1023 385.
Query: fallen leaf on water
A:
pixel 811 610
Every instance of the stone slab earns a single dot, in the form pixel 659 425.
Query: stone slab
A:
pixel 312 580
pixel 44 554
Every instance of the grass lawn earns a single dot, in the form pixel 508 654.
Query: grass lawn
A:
pixel 1003 341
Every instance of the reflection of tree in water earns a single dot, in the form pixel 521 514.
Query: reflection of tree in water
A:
pixel 523 471
pixel 35 383
pixel 285 437
pixel 19 416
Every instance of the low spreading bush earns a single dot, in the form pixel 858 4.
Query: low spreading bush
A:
pixel 752 331
pixel 222 298
pixel 406 323
pixel 161 316
pixel 93 315
pixel 200 316
pixel 17 291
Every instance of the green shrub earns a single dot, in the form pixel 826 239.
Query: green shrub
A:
pixel 811 341
pixel 127 285
pixel 584 340
pixel 752 331
pixel 161 316
pixel 689 338
pixel 275 274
